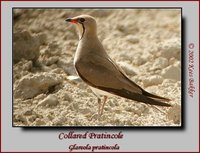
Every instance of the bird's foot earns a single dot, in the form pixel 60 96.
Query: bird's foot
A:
pixel 100 110
pixel 95 117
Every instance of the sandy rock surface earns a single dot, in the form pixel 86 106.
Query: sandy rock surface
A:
pixel 145 43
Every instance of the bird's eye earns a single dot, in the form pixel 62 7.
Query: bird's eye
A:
pixel 81 19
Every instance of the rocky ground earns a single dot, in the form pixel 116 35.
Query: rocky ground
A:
pixel 145 43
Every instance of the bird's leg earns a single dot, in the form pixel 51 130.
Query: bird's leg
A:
pixel 104 101
pixel 99 109
pixel 99 106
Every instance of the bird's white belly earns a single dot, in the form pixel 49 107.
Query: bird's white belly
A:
pixel 99 92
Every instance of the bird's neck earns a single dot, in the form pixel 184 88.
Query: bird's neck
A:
pixel 89 43
pixel 87 34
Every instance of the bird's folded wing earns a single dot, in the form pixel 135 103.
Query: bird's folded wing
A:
pixel 102 72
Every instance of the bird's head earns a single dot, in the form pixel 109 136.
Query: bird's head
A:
pixel 85 24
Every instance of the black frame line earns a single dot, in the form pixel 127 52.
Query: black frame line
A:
pixel 146 128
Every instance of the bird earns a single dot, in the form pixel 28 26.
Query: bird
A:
pixel 95 67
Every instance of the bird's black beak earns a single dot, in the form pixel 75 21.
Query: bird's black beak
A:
pixel 68 19
pixel 71 20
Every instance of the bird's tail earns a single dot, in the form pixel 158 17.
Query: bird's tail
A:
pixel 158 100
pixel 145 97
